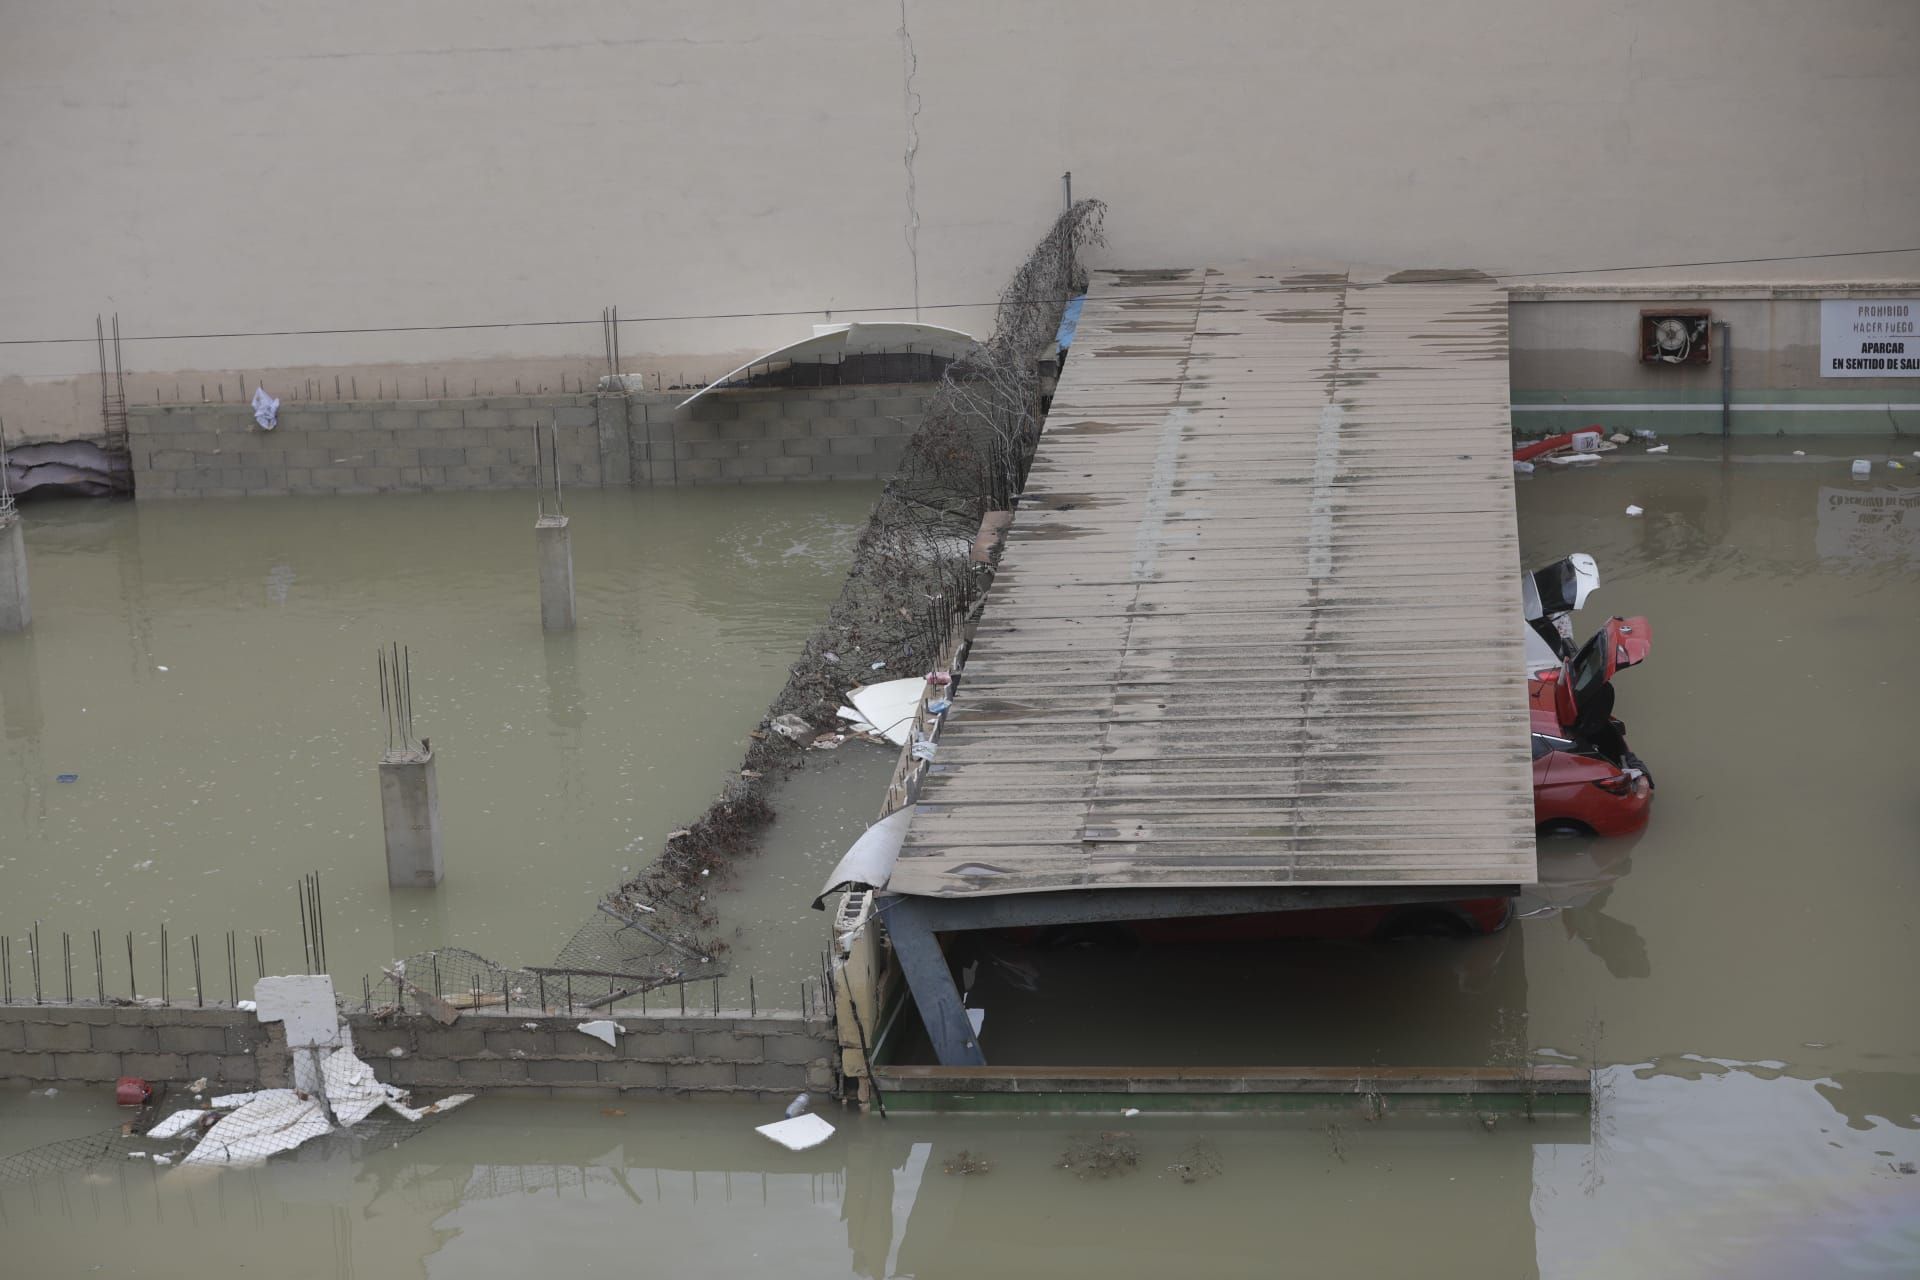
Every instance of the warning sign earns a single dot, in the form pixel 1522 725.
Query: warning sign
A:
pixel 1870 338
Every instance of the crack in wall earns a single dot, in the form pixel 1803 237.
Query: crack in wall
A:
pixel 910 104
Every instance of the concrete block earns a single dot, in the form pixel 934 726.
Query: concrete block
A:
pixel 654 1042
pixel 350 420
pixel 527 418
pixel 901 407
pixel 433 477
pixel 793 1049
pixel 377 477
pixel 633 1075
pixel 734 468
pixel 40 1066
pixel 299 480
pixel 56 1037
pixel 457 1041
pixel 777 1076
pixel 806 446
pixel 441 457
pixel 482 456
pixel 191 1039
pixel 581 475
pixel 299 420
pixel 13 1035
pixel 820 1074
pixel 511 477
pixel 806 409
pixel 850 409
pixel 838 466
pixel 850 444
pixel 507 402
pixel 447 418
pixel 728 1044
pixel 679 432
pixel 697 470
pixel 465 477
pixel 576 416
pixel 493 1071
pixel 564 1071
pixel 171 459
pixel 519 1040
pixel 714 408
pixel 376 1041
pixel 394 420
pixel 130 1039
pixel 885 428
pixel 240 1069
pixel 155 1066
pixel 777 467
pixel 700 1075
pixel 332 477
pixel 396 457
pixel 154 484
pixel 490 417
pixel 879 463
pixel 411 479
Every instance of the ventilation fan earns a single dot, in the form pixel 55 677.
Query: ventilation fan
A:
pixel 1675 337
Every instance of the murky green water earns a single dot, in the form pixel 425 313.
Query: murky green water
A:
pixel 1742 967
pixel 206 669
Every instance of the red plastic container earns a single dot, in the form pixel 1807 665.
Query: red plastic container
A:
pixel 132 1091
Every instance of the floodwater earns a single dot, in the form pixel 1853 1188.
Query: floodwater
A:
pixel 206 671
pixel 1741 971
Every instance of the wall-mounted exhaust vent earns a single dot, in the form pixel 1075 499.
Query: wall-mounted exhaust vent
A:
pixel 1676 337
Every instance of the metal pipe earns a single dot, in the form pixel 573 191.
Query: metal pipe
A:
pixel 1726 378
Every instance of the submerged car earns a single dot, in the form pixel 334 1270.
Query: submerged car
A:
pixel 1586 780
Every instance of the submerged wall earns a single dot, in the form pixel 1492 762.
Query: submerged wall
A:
pixel 415 446
pixel 770 1054
pixel 1575 361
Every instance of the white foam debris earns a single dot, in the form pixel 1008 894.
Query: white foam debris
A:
pixel 799 1133
pixel 602 1029
pixel 1131 1112
pixel 1635 511
pixel 271 1120
pixel 176 1124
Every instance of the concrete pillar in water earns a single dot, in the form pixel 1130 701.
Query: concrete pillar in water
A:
pixel 410 812
pixel 14 611
pixel 556 572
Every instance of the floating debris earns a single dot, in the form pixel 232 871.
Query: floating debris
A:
pixel 1198 1163
pixel 799 1133
pixel 602 1029
pixel 1110 1154
pixel 965 1164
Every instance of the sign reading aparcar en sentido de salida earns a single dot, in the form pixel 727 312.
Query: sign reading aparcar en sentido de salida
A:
pixel 1870 338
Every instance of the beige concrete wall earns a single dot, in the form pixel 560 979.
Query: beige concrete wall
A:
pixel 1575 361
pixel 212 167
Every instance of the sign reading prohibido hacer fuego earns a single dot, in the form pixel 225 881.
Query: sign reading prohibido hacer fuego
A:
pixel 1870 338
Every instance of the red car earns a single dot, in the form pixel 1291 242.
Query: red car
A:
pixel 1586 780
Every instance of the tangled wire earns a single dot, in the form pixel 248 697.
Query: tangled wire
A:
pixel 914 578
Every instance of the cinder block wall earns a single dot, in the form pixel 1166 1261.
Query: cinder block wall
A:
pixel 762 1057
pixel 770 1055
pixel 385 446
pixel 775 435
pixel 97 1044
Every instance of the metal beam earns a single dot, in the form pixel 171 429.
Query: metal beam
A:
pixel 910 927
pixel 1017 910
